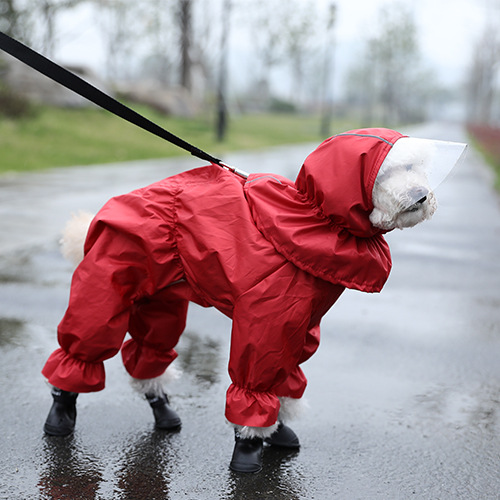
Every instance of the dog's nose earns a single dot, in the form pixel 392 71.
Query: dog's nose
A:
pixel 419 194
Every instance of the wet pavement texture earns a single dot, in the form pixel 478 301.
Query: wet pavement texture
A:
pixel 404 394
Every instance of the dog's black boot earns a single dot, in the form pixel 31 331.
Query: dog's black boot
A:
pixel 62 415
pixel 247 454
pixel 165 417
pixel 283 436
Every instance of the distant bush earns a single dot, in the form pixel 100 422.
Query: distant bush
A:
pixel 281 106
pixel 13 105
pixel 487 138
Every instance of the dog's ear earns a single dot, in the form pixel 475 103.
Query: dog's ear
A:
pixel 384 205
pixel 380 219
pixel 376 217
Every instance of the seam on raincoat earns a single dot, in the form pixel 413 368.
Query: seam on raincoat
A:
pixel 265 177
pixel 379 160
pixel 175 233
pixel 367 135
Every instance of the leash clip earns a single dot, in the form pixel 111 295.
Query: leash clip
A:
pixel 234 170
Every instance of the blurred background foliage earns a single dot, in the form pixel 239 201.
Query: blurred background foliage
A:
pixel 178 61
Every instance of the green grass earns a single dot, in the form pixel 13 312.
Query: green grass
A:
pixel 64 137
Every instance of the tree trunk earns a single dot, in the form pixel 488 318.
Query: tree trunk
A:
pixel 221 125
pixel 185 24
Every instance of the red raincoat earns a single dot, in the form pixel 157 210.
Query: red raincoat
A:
pixel 271 254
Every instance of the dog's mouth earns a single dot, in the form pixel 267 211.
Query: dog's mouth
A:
pixel 416 206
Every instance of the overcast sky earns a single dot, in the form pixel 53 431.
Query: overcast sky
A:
pixel 447 29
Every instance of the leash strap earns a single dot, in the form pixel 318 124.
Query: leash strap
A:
pixel 88 91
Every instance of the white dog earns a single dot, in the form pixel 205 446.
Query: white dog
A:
pixel 300 245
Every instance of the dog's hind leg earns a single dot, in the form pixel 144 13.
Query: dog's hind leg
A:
pixel 155 325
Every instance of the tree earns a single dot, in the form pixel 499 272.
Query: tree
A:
pixel 175 39
pixel 221 124
pixel 298 31
pixel 32 21
pixel 327 104
pixel 392 83
pixel 120 21
pixel 395 55
pixel 267 38
pixel 482 77
pixel 186 37
pixel 49 10
pixel 157 33
pixel 10 19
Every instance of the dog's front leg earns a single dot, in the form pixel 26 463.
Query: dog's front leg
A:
pixel 249 441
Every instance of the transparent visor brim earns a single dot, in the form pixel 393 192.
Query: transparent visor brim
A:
pixel 426 159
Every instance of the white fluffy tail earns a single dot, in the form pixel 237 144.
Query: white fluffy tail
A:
pixel 73 236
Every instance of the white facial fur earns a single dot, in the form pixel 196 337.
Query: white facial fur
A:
pixel 401 195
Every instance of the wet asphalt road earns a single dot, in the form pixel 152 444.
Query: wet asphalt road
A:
pixel 404 391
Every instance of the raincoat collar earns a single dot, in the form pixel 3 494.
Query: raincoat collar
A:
pixel 321 222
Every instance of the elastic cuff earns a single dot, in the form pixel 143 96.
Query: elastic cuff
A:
pixel 251 408
pixel 73 375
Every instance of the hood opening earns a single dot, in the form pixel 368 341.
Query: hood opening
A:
pixel 338 176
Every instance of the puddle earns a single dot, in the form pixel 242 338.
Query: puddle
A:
pixel 471 412
pixel 11 331
pixel 200 356
pixel 38 265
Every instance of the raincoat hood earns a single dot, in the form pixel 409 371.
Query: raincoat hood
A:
pixel 338 177
pixel 321 222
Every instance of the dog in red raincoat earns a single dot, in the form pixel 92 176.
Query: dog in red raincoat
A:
pixel 272 254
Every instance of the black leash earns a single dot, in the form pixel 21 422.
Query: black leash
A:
pixel 76 84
